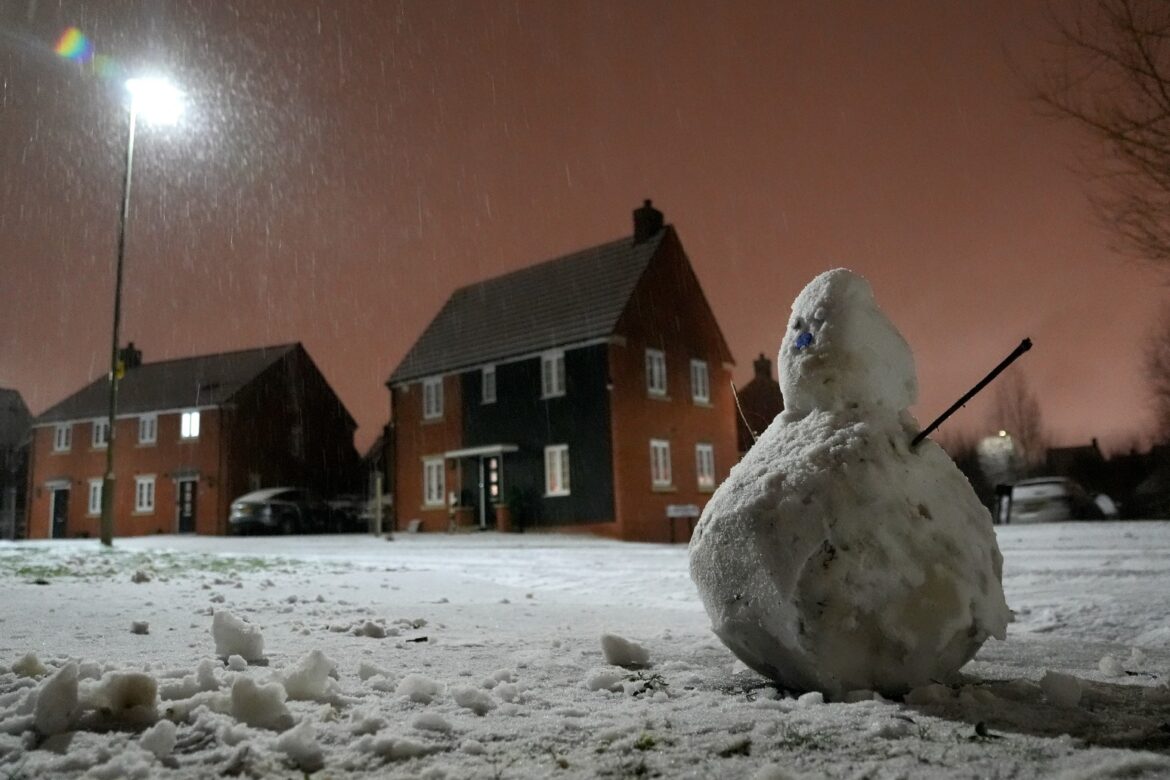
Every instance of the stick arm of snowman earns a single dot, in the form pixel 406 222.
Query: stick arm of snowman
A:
pixel 1025 345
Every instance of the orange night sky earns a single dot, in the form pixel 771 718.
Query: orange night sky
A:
pixel 345 165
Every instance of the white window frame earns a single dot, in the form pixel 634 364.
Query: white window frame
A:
pixel 434 482
pixel 705 465
pixel 656 373
pixel 488 385
pixel 189 425
pixel 433 398
pixel 660 476
pixel 63 437
pixel 95 496
pixel 552 374
pixel 148 429
pixel 100 436
pixel 700 382
pixel 144 494
pixel 556 470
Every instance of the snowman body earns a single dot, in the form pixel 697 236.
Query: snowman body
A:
pixel 836 557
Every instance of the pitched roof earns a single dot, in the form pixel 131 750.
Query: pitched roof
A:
pixel 566 300
pixel 205 380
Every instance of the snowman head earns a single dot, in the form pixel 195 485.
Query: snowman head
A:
pixel 840 351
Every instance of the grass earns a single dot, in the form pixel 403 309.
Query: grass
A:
pixel 44 563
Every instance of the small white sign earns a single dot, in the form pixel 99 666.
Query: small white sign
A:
pixel 682 510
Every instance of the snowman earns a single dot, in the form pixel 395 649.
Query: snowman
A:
pixel 836 557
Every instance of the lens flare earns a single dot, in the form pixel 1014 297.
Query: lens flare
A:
pixel 73 45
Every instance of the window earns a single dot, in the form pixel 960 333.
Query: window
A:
pixel 434 482
pixel 705 465
pixel 95 496
pixel 660 463
pixel 148 429
pixel 556 470
pixel 700 382
pixel 144 493
pixel 433 398
pixel 655 372
pixel 552 374
pixel 101 434
pixel 189 425
pixel 63 438
pixel 489 384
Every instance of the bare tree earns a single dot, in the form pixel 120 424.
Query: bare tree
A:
pixel 1110 73
pixel 1016 410
pixel 1157 368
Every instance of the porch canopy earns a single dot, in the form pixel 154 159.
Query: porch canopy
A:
pixel 483 451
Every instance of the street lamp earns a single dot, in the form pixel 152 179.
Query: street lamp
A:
pixel 157 101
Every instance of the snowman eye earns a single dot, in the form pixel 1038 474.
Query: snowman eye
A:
pixel 797 323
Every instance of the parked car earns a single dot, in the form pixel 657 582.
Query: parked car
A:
pixel 288 510
pixel 1050 500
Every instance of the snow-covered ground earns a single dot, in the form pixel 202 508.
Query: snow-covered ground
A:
pixel 482 656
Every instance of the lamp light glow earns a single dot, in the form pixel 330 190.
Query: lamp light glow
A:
pixel 156 100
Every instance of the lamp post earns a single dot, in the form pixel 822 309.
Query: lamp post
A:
pixel 159 102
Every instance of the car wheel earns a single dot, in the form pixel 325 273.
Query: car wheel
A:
pixel 288 525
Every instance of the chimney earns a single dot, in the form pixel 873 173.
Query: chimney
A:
pixel 130 357
pixel 647 222
pixel 763 367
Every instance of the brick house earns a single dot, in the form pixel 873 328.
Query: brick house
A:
pixel 590 392
pixel 192 434
pixel 760 400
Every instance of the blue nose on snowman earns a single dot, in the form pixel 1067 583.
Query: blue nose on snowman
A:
pixel 804 340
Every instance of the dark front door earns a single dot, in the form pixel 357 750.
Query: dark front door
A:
pixel 489 490
pixel 186 499
pixel 60 512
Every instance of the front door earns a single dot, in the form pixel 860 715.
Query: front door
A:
pixel 60 512
pixel 185 496
pixel 489 490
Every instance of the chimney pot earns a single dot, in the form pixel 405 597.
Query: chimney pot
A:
pixel 647 222
pixel 763 367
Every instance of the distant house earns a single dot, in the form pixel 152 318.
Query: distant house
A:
pixel 192 434
pixel 15 422
pixel 759 403
pixel 591 392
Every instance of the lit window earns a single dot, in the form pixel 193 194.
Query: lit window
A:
pixel 660 463
pixel 552 374
pixel 148 429
pixel 705 465
pixel 189 425
pixel 556 470
pixel 434 482
pixel 101 434
pixel 700 382
pixel 144 494
pixel 95 496
pixel 432 398
pixel 63 438
pixel 655 372
pixel 489 384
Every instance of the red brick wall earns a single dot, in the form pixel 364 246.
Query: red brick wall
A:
pixel 164 459
pixel 417 438
pixel 667 312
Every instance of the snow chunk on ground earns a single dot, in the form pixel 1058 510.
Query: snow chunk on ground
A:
pixel 605 680
pixel 29 666
pixel 310 679
pixel 370 629
pixel 130 697
pixel 261 706
pixel 474 699
pixel 623 652
pixel 57 705
pixel 300 744
pixel 394 749
pixel 418 688
pixel 159 739
pixel 234 636
pixel 1111 667
pixel 431 721
pixel 139 627
pixel 1061 689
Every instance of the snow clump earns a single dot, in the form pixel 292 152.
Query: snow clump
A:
pixel 57 701
pixel 311 679
pixel 234 636
pixel 418 688
pixel 623 652
pixel 1061 689
pixel 836 556
pixel 261 706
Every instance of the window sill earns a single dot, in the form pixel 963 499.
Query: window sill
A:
pixel 146 444
pixel 566 494
pixel 658 396
pixel 664 488
pixel 701 403
pixel 142 512
pixel 432 420
pixel 432 507
pixel 550 397
pixel 706 489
